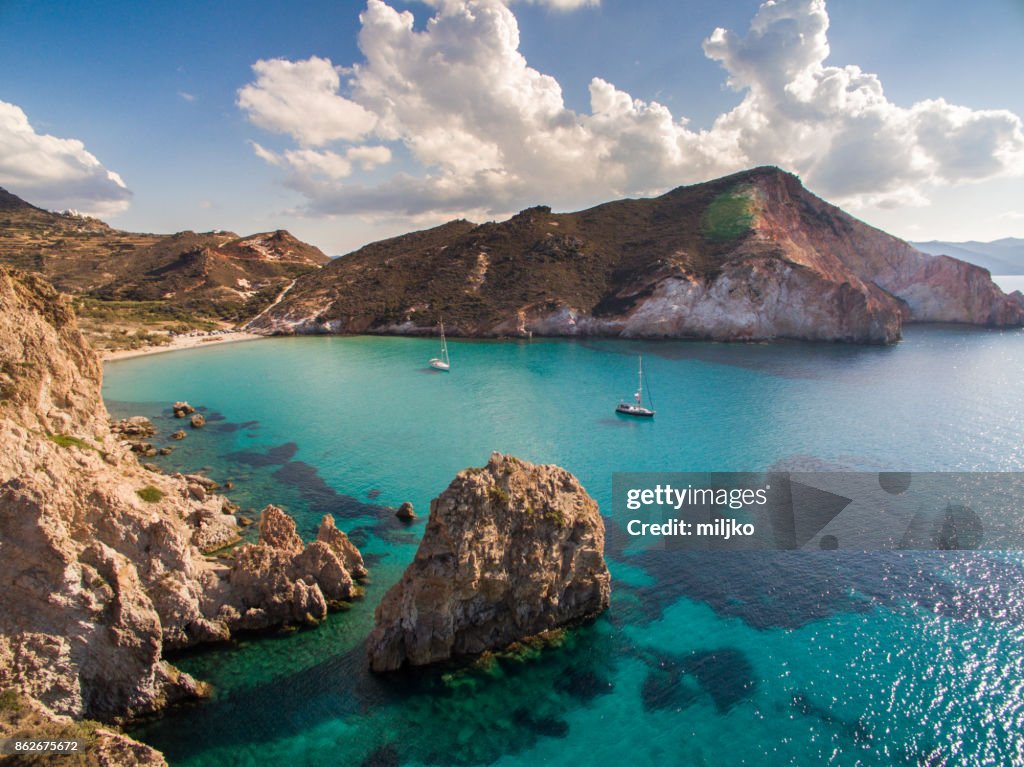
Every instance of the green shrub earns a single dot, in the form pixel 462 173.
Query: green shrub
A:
pixel 150 494
pixel 10 700
pixel 497 495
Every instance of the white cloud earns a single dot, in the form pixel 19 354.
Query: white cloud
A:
pixel 186 96
pixel 56 173
pixel 484 130
pixel 301 98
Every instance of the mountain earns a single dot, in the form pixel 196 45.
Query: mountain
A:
pixel 752 256
pixel 1005 256
pixel 184 278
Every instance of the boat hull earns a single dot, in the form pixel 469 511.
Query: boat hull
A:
pixel 635 411
pixel 440 365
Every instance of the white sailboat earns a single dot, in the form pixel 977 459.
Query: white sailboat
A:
pixel 442 362
pixel 636 408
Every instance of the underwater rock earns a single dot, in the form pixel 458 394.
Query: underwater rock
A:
pixel 510 550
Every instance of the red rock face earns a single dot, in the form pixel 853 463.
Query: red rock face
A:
pixel 838 246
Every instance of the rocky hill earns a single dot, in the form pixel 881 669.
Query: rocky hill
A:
pixel 102 561
pixel 151 280
pixel 751 256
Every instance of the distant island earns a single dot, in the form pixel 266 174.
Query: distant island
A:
pixel 1004 257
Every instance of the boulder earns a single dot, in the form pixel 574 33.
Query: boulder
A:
pixel 182 409
pixel 510 551
pixel 135 427
pixel 406 512
pixel 197 421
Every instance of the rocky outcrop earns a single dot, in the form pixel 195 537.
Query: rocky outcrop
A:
pixel 749 257
pixel 102 561
pixel 101 746
pixel 510 551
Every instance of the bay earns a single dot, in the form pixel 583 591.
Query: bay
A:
pixel 763 659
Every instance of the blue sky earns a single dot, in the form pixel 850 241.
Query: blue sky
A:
pixel 456 118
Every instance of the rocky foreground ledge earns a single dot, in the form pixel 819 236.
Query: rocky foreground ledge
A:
pixel 102 561
pixel 511 550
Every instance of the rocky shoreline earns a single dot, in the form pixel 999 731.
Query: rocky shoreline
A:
pixel 108 562
pixel 103 560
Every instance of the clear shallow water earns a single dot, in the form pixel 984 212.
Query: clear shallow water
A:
pixel 753 659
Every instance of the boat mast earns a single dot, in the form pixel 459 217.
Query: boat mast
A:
pixel 444 345
pixel 640 381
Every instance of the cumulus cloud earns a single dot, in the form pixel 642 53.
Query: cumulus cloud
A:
pixel 483 130
pixel 53 172
pixel 301 98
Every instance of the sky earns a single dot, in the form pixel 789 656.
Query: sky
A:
pixel 346 122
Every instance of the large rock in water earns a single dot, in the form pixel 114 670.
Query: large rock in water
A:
pixel 101 561
pixel 510 550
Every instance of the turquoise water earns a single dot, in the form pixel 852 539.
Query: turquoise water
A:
pixel 769 658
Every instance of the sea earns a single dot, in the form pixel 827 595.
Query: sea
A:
pixel 704 658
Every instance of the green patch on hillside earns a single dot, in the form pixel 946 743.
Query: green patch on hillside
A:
pixel 153 313
pixel 150 494
pixel 66 440
pixel 728 216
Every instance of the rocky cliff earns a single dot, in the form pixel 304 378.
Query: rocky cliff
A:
pixel 510 550
pixel 100 559
pixel 753 256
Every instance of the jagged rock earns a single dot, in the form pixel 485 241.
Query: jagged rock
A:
pixel 291 584
pixel 153 468
pixel 277 530
pixel 337 540
pixel 101 579
pixel 197 421
pixel 165 450
pixel 509 551
pixel 182 409
pixel 229 485
pixel 135 427
pixel 179 434
pixel 405 511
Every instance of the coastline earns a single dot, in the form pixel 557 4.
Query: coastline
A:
pixel 178 343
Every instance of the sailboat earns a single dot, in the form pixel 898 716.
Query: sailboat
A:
pixel 442 362
pixel 636 408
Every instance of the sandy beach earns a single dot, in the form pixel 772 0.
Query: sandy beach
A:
pixel 179 343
